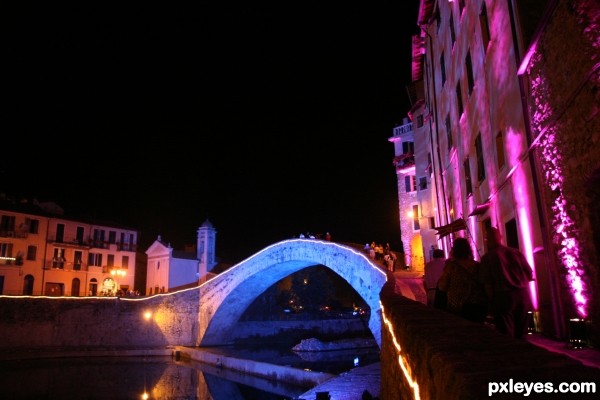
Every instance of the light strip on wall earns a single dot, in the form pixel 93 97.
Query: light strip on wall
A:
pixel 401 359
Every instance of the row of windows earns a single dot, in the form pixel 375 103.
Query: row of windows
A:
pixel 8 228
pixel 95 259
pixel 8 225
pixel 480 161
pixel 485 37
pixel 58 258
pixel 99 236
pixel 416 217
pixel 483 20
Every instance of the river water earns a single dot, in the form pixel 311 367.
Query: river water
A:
pixel 95 378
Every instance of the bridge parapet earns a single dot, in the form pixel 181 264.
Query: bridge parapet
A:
pixel 430 354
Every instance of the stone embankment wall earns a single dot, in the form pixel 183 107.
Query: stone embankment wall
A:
pixel 91 323
pixel 446 357
pixel 69 323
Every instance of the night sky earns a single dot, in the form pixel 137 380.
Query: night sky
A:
pixel 269 120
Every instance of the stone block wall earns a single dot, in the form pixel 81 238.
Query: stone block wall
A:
pixel 89 323
pixel 564 77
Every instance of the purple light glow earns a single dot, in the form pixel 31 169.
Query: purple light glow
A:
pixel 526 235
pixel 563 227
pixel 521 180
pixel 565 234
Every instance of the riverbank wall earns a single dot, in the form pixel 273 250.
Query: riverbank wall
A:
pixel 72 323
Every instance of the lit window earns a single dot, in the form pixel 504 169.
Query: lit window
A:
pixel 416 225
pixel 410 183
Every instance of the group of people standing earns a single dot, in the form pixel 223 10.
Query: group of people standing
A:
pixel 377 251
pixel 318 236
pixel 496 286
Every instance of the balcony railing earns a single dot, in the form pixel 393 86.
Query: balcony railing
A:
pixel 10 261
pixel 402 129
pixel 12 233
pixel 65 265
pixel 69 241
pixel 92 243
pixel 126 247
pixel 404 161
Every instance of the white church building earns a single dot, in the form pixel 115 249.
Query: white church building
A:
pixel 168 270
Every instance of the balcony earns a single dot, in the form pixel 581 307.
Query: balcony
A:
pixel 403 129
pixel 64 265
pixel 404 162
pixel 6 260
pixel 13 233
pixel 69 242
pixel 126 247
pixel 99 244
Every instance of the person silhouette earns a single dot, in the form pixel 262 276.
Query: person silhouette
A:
pixel 433 271
pixel 506 274
pixel 461 282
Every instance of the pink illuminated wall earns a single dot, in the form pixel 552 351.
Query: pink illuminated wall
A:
pixel 563 227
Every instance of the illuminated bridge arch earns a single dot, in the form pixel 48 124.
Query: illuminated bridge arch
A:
pixel 224 298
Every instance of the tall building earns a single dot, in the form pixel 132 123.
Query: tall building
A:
pixel 404 162
pixel 506 128
pixel 43 252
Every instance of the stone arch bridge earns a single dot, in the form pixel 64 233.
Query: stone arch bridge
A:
pixel 224 298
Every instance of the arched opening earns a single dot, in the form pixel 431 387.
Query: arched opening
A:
pixel 93 289
pixel 109 287
pixel 231 293
pixel 312 293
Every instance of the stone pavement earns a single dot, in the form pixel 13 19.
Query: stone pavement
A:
pixel 350 385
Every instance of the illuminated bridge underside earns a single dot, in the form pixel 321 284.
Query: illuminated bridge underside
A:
pixel 224 298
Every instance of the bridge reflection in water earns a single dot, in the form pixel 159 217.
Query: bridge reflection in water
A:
pixel 155 377
pixel 99 378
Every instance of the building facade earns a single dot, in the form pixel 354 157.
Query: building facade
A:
pixel 404 162
pixel 169 270
pixel 46 253
pixel 506 130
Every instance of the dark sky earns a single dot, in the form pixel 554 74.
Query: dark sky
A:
pixel 269 120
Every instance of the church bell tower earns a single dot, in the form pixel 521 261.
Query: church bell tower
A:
pixel 207 236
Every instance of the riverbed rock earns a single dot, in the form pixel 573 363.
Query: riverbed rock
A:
pixel 314 344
